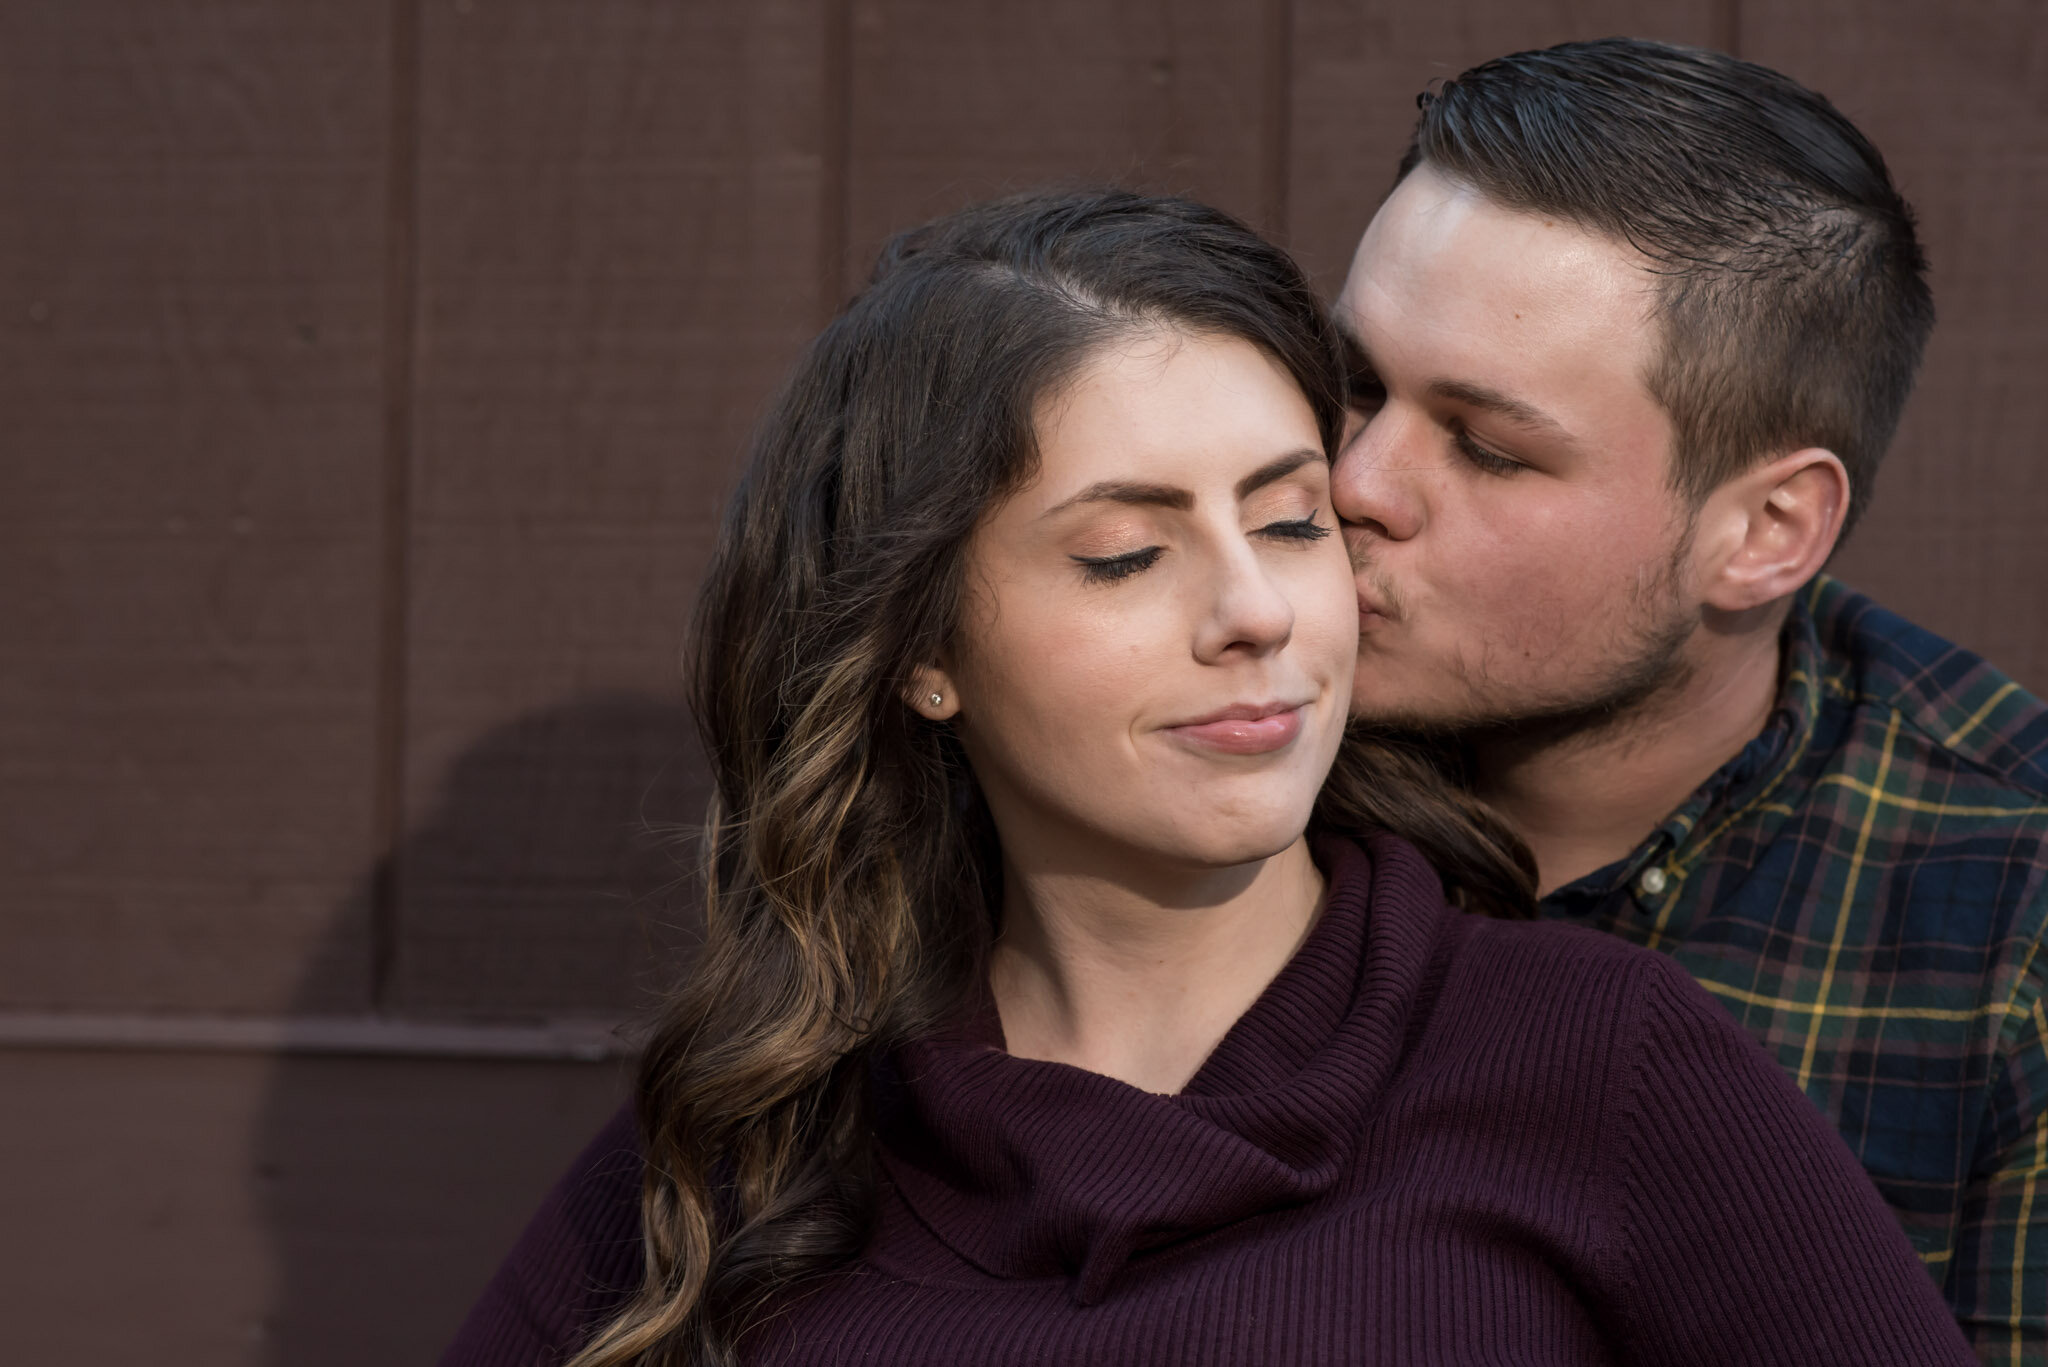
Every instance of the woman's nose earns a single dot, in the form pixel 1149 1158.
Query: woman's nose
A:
pixel 1375 483
pixel 1250 613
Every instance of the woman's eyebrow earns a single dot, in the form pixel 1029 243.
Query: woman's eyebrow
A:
pixel 1121 491
pixel 1170 496
pixel 1280 467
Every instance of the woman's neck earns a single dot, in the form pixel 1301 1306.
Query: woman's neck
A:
pixel 1139 981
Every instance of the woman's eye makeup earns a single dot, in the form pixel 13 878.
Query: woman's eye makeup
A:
pixel 1296 529
pixel 1107 569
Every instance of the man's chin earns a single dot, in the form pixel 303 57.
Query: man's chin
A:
pixel 1382 698
pixel 1454 715
pixel 1421 717
pixel 1476 730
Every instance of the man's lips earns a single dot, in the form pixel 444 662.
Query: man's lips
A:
pixel 1373 602
pixel 1243 728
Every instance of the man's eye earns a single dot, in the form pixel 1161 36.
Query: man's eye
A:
pixel 1296 529
pixel 1107 569
pixel 1483 459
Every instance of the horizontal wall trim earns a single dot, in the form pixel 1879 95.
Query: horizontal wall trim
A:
pixel 587 1041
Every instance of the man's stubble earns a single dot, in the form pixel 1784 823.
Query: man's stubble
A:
pixel 1645 664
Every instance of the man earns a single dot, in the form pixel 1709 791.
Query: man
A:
pixel 1635 327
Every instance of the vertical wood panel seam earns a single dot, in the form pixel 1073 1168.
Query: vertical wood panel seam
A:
pixel 401 322
pixel 1278 131
pixel 835 136
pixel 1729 24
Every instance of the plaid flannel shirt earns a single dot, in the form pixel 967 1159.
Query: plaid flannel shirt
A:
pixel 1865 888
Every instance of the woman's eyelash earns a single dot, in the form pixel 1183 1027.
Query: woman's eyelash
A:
pixel 1107 569
pixel 1298 529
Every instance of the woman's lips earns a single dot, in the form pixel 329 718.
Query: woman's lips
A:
pixel 1243 730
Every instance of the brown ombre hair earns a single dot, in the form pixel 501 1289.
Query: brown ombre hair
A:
pixel 853 868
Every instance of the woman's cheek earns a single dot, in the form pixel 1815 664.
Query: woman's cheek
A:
pixel 1069 670
pixel 1326 604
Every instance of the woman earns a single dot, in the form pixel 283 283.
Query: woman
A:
pixel 1046 1013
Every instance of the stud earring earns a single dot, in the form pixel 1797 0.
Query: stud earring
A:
pixel 938 698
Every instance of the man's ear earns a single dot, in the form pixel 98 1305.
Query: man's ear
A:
pixel 931 693
pixel 1770 529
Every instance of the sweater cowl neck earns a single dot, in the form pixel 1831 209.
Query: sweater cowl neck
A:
pixel 1033 1169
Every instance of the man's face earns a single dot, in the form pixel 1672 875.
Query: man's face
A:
pixel 1521 557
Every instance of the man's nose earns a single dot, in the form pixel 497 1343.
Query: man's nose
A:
pixel 1376 483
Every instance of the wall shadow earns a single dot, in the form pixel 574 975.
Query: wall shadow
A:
pixel 551 878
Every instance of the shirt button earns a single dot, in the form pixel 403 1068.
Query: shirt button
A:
pixel 1653 881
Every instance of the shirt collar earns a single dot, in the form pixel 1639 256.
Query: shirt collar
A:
pixel 1656 869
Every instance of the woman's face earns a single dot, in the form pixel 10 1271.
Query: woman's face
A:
pixel 1157 643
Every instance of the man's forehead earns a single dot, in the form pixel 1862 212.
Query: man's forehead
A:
pixel 1458 302
pixel 1443 256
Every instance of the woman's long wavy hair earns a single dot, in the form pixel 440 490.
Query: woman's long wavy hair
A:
pixel 853 870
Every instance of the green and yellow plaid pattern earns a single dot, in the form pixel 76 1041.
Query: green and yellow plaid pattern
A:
pixel 1865 888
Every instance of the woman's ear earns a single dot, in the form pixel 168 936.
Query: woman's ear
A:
pixel 932 694
pixel 1783 519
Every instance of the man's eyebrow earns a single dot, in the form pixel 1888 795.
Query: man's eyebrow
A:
pixel 1459 391
pixel 1493 401
pixel 1181 500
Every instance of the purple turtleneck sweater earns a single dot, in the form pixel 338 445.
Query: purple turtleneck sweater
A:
pixel 1434 1139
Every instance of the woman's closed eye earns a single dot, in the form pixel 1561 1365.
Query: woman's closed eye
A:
pixel 1296 529
pixel 1107 569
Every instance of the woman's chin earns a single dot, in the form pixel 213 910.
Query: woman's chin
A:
pixel 1221 840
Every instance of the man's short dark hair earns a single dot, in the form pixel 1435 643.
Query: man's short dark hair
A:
pixel 1794 303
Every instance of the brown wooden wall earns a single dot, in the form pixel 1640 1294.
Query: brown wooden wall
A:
pixel 371 373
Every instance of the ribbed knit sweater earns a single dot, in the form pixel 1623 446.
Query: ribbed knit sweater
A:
pixel 1435 1138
